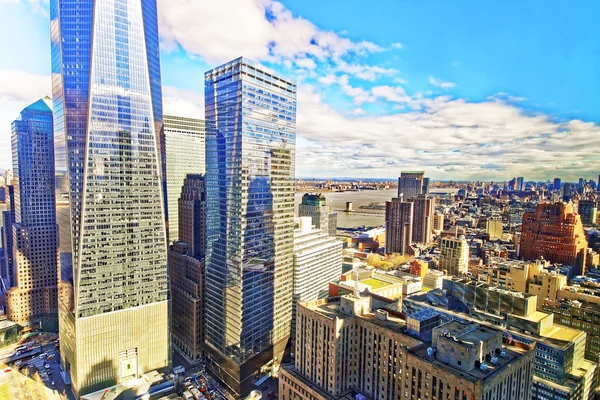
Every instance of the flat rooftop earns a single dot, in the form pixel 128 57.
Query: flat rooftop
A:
pixel 512 353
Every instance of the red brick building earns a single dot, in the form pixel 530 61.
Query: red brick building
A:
pixel 555 232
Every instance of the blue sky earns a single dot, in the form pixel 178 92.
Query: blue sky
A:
pixel 462 89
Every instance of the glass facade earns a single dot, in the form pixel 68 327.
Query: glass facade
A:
pixel 250 146
pixel 184 150
pixel 34 232
pixel 110 166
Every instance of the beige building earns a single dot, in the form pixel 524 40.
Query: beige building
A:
pixel 345 350
pixel 438 222
pixel 493 227
pixel 454 255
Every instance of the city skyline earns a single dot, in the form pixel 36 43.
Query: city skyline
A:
pixel 376 97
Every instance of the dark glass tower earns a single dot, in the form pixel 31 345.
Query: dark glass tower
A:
pixel 33 231
pixel 114 309
pixel 250 146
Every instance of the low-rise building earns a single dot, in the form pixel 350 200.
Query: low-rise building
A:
pixel 344 349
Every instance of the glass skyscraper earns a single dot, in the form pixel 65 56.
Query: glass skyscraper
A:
pixel 34 297
pixel 250 146
pixel 184 150
pixel 114 309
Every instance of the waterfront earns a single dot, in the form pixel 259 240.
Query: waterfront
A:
pixel 337 202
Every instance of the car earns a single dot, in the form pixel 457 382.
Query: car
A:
pixel 271 395
pixel 18 363
pixel 43 355
pixel 47 366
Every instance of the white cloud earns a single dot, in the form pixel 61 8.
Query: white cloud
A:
pixel 263 30
pixel 183 103
pixel 449 138
pixel 306 62
pixel 397 45
pixel 400 81
pixel 365 72
pixel 441 84
pixel 18 90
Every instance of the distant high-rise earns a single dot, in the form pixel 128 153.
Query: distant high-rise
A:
pixel 566 194
pixel 598 184
pixel 186 258
pixel 557 185
pixel 114 312
pixel 588 209
pixel 34 231
pixel 425 185
pixel 250 153
pixel 423 219
pixel 398 226
pixel 410 184
pixel 520 183
pixel 184 154
pixel 315 206
pixel 454 255
pixel 555 232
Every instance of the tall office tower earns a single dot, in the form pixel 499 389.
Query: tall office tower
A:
pixel 556 233
pixel 114 314
pixel 34 231
pixel 557 184
pixel 346 349
pixel 410 184
pixel 454 256
pixel 423 219
pixel 425 185
pixel 566 193
pixel 317 261
pixel 588 209
pixel 520 181
pixel 184 154
pixel 315 206
pixel 8 218
pixel 398 226
pixel 250 153
pixel 186 258
pixel 598 184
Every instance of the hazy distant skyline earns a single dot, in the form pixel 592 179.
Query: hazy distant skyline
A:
pixel 464 90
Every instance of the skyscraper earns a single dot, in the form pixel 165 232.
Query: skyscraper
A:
pixel 557 185
pixel 250 146
pixel 114 312
pixel 555 232
pixel 398 226
pixel 422 219
pixel 184 154
pixel 315 206
pixel 520 183
pixel 34 231
pixel 186 258
pixel 410 184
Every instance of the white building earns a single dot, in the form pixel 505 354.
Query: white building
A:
pixel 317 261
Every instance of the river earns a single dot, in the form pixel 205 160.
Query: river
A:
pixel 337 202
